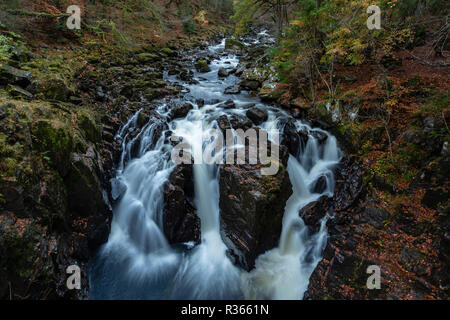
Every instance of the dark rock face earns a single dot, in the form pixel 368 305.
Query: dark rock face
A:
pixel 319 136
pixel 315 211
pixel 181 223
pixel 252 207
pixel 234 121
pixel 348 184
pixel 181 111
pixel 257 115
pixel 320 185
pixel 223 73
pixel 375 217
pixel 83 183
pixel 360 229
pixel 292 138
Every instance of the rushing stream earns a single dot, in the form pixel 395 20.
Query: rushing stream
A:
pixel 137 262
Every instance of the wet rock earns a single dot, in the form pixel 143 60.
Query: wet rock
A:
pixel 229 104
pixel 118 188
pixel 239 70
pixel 224 123
pixel 320 136
pixel 11 75
pixel 252 207
pixel 320 185
pixel 240 122
pixel 222 73
pixel 186 75
pixel 142 119
pixel 313 212
pixel 236 89
pixel 251 85
pixel 181 110
pixel 202 66
pixel 321 124
pixel 257 115
pixel 181 223
pixel 293 139
pixel 200 102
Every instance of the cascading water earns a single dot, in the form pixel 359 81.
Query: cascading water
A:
pixel 137 262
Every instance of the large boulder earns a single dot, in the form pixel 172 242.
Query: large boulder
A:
pixel 222 73
pixel 181 223
pixel 202 66
pixel 257 115
pixel 234 46
pixel 252 209
pixel 181 110
pixel 313 213
pixel 83 183
pixel 292 138
pixel 11 75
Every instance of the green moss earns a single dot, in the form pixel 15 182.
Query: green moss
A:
pixel 147 57
pixel 438 103
pixel 56 139
pixel 233 43
pixel 89 126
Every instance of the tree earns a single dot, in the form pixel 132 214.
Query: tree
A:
pixel 247 10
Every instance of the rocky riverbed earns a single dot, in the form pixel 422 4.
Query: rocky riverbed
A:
pixel 59 210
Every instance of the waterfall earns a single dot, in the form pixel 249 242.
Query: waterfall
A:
pixel 137 262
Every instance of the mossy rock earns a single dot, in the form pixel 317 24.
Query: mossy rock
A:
pixel 233 44
pixel 55 139
pixel 83 184
pixel 202 66
pixel 23 258
pixel 168 52
pixel 89 126
pixel 55 88
pixel 147 57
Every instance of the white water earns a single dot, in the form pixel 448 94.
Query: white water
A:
pixel 138 263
